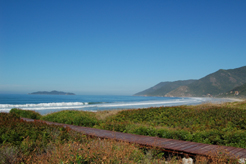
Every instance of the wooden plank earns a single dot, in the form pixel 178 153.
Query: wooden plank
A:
pixel 241 154
pixel 234 152
pixel 192 147
pixel 181 145
pixel 210 149
pixel 195 149
pixel 174 144
pixel 163 143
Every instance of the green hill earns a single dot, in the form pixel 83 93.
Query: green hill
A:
pixel 241 90
pixel 238 92
pixel 218 82
pixel 163 88
pixel 213 84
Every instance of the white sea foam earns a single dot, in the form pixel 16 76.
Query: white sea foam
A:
pixel 43 106
pixel 88 106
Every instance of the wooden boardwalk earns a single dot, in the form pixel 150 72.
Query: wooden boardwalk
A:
pixel 170 145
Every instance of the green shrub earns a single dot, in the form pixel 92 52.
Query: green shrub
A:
pixel 191 119
pixel 210 125
pixel 80 118
pixel 26 113
pixel 38 142
pixel 15 131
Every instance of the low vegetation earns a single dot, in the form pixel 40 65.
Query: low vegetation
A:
pixel 73 117
pixel 26 113
pixel 207 123
pixel 220 124
pixel 28 142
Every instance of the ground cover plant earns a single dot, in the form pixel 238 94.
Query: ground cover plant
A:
pixel 220 124
pixel 26 113
pixel 23 138
pixel 73 117
pixel 41 143
pixel 37 142
pixel 212 125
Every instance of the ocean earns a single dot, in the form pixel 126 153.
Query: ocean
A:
pixel 51 103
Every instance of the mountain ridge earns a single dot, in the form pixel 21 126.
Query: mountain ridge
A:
pixel 213 84
pixel 164 87
pixel 238 92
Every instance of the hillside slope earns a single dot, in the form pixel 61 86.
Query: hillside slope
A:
pixel 213 84
pixel 163 88
pixel 238 92
pixel 241 90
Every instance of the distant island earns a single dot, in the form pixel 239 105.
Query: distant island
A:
pixel 51 93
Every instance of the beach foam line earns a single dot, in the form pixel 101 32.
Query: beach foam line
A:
pixel 92 106
pixel 42 106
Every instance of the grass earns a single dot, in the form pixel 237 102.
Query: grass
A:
pixel 103 115
pixel 221 124
pixel 96 151
pixel 211 124
pixel 218 124
pixel 26 113
pixel 27 142
pixel 74 117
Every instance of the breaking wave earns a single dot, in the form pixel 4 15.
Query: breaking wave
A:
pixel 43 106
pixel 101 105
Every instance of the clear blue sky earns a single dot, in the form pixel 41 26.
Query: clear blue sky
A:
pixel 116 47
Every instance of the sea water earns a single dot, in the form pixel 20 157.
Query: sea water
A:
pixel 51 103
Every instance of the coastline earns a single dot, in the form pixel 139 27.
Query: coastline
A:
pixel 235 99
pixel 47 104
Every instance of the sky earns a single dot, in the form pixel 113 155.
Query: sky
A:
pixel 116 47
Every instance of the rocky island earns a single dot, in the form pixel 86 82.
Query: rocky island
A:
pixel 51 93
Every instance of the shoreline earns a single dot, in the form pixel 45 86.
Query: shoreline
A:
pixel 235 99
pixel 44 108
